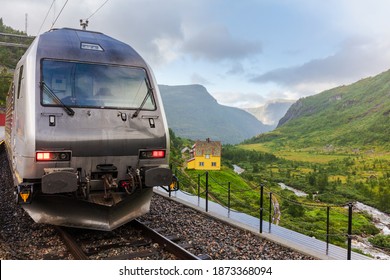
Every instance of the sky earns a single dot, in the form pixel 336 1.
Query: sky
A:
pixel 245 52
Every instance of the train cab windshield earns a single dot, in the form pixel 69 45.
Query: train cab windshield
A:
pixel 76 84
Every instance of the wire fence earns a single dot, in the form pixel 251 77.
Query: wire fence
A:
pixel 328 222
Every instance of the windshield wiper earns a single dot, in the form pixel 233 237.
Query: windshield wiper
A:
pixel 55 98
pixel 143 101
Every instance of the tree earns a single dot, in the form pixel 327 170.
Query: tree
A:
pixel 5 82
pixel 322 181
pixel 294 208
pixel 312 179
pixel 255 168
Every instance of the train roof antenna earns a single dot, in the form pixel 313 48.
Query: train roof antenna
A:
pixel 84 24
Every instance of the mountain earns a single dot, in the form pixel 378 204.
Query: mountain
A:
pixel 193 113
pixel 353 116
pixel 271 112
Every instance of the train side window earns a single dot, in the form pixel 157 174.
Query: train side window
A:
pixel 20 81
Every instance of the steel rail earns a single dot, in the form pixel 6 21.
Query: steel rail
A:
pixel 166 243
pixel 75 250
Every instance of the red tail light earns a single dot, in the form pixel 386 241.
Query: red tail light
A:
pixel 53 156
pixel 152 154
pixel 158 154
pixel 43 156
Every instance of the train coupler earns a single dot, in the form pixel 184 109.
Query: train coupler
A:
pixel 24 193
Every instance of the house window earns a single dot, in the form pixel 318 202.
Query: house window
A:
pixel 201 163
pixel 214 164
pixel 207 156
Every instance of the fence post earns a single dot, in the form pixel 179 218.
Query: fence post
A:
pixel 198 185
pixel 207 191
pixel 198 189
pixel 270 212
pixel 228 198
pixel 261 207
pixel 327 229
pixel 349 230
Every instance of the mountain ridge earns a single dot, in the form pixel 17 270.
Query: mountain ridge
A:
pixel 193 113
pixel 356 115
pixel 272 111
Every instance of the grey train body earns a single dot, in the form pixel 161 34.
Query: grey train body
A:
pixel 86 132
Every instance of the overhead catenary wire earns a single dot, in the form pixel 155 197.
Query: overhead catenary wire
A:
pixel 59 14
pixel 101 6
pixel 47 14
pixel 83 23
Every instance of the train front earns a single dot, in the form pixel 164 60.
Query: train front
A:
pixel 101 138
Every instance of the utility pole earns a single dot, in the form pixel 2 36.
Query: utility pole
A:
pixel 25 24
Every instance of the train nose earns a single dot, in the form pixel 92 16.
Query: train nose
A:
pixel 63 211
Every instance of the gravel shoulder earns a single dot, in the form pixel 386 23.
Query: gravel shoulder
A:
pixel 212 237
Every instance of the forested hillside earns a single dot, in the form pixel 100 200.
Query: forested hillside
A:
pixel 337 142
pixel 353 117
pixel 9 56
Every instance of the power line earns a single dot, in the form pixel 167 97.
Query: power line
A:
pixel 59 14
pixel 101 6
pixel 83 23
pixel 46 16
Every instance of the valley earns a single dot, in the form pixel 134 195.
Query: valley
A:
pixel 331 180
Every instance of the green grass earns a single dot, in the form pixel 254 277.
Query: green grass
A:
pixel 295 155
pixel 244 196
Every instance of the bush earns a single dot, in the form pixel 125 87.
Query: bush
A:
pixel 380 240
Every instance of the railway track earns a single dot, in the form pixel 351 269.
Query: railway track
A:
pixel 150 243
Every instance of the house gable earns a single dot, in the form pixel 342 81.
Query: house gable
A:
pixel 206 155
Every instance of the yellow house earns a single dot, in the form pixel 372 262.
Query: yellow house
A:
pixel 206 155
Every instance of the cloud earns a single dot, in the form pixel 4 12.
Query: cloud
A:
pixel 198 79
pixel 162 31
pixel 154 28
pixel 151 27
pixel 356 59
pixel 215 43
pixel 239 99
pixel 236 69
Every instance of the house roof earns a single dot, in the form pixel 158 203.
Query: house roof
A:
pixel 208 148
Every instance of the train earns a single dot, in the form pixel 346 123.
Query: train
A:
pixel 86 134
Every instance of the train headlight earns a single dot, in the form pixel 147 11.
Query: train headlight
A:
pixel 53 156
